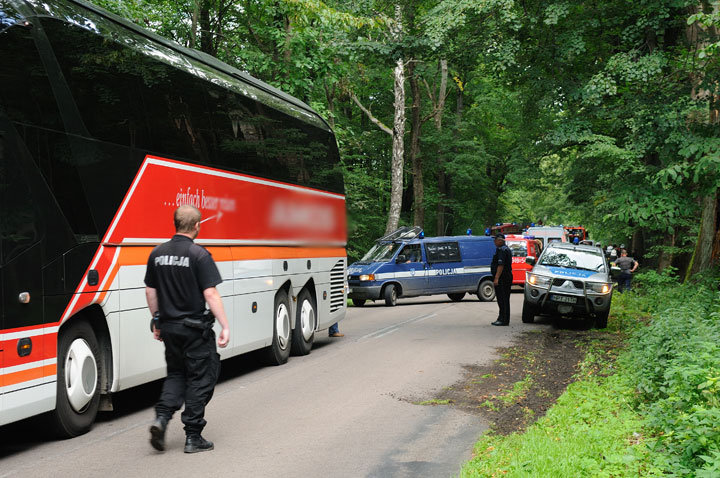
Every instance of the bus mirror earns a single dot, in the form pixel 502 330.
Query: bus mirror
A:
pixel 530 260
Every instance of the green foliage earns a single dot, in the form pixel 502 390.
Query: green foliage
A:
pixel 591 431
pixel 675 362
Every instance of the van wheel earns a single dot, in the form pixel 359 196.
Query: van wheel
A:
pixel 457 297
pixel 358 302
pixel 279 350
pixel 78 380
pixel 305 322
pixel 528 313
pixel 391 295
pixel 486 291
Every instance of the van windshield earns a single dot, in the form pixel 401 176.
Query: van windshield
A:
pixel 573 259
pixel 381 252
pixel 518 248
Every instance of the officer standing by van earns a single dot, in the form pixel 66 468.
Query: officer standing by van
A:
pixel 181 277
pixel 501 269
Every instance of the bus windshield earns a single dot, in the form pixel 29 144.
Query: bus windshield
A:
pixel 381 252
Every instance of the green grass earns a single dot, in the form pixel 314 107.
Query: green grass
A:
pixel 591 431
pixel 518 391
pixel 435 401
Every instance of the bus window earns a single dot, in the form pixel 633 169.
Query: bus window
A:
pixel 442 252
pixel 410 253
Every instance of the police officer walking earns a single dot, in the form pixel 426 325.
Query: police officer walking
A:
pixel 501 269
pixel 181 277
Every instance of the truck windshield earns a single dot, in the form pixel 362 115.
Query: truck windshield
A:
pixel 573 259
pixel 518 248
pixel 381 252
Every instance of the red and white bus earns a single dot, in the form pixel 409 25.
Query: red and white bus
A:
pixel 104 130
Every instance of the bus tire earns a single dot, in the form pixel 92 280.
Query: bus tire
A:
pixel 279 350
pixel 390 295
pixel 457 296
pixel 358 302
pixel 305 322
pixel 78 380
pixel 486 291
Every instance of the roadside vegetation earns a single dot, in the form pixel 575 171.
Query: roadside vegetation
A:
pixel 646 403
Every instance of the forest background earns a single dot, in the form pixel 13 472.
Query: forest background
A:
pixel 456 114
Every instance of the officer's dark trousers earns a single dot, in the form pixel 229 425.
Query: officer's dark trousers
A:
pixel 502 294
pixel 193 365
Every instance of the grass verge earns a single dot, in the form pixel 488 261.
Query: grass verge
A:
pixel 591 431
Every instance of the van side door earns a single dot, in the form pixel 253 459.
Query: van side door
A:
pixel 444 267
pixel 410 271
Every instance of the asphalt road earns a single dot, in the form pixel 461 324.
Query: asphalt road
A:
pixel 346 410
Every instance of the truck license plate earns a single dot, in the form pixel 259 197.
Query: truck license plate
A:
pixel 564 298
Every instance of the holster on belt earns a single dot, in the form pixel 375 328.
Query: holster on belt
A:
pixel 204 323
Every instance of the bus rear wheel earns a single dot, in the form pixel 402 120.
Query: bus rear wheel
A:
pixel 279 350
pixel 78 380
pixel 305 321
pixel 486 291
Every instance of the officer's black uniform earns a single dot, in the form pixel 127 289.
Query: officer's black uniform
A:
pixel 503 257
pixel 180 271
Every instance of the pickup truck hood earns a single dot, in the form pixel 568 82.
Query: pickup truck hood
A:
pixel 553 271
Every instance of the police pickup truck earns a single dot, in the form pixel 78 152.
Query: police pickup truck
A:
pixel 407 264
pixel 569 280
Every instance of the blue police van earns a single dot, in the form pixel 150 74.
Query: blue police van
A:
pixel 407 264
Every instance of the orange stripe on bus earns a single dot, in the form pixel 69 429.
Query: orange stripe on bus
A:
pixel 27 375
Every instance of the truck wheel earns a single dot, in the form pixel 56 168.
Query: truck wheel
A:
pixel 456 297
pixel 601 320
pixel 358 302
pixel 390 295
pixel 486 291
pixel 279 350
pixel 528 313
pixel 78 380
pixel 305 322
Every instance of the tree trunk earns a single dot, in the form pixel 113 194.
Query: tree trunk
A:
pixel 398 133
pixel 702 256
pixel 415 159
pixel 443 181
pixel 194 24
pixel 665 258
pixel 206 36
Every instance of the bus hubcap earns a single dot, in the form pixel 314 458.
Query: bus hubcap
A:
pixel 282 325
pixel 80 375
pixel 307 319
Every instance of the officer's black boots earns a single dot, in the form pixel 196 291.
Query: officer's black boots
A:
pixel 157 434
pixel 196 443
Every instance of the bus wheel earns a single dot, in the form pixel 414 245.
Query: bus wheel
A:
pixel 279 350
pixel 486 291
pixel 78 380
pixel 457 297
pixel 305 322
pixel 390 295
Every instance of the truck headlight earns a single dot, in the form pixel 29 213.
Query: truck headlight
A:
pixel 538 280
pixel 366 277
pixel 600 287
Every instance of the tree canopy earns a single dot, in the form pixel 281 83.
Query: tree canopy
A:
pixel 603 114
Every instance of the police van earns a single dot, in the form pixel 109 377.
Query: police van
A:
pixel 407 264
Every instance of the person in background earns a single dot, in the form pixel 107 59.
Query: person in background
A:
pixel 334 331
pixel 627 266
